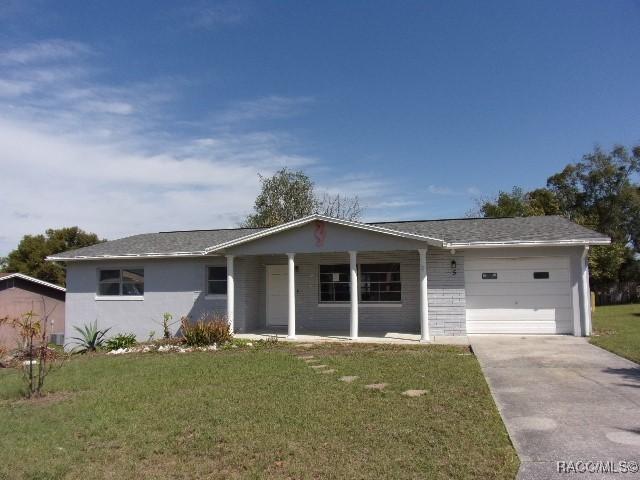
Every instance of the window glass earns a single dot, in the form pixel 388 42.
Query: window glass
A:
pixel 109 282
pixel 380 282
pixel 121 282
pixel 540 275
pixel 109 288
pixel 109 275
pixel 335 283
pixel 217 280
pixel 133 282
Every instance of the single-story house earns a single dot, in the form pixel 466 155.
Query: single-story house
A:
pixel 20 294
pixel 435 277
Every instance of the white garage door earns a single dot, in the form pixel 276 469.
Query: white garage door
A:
pixel 518 295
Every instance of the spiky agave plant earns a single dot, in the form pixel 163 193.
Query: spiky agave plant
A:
pixel 91 338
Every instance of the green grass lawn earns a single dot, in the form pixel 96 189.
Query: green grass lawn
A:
pixel 258 413
pixel 617 329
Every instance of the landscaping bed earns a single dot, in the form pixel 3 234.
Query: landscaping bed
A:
pixel 259 411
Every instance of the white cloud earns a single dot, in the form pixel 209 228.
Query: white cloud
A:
pixel 53 180
pixel 207 16
pixel 270 107
pixel 75 151
pixel 46 51
pixel 115 107
pixel 453 192
pixel 13 88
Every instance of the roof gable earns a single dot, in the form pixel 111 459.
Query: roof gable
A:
pixel 322 219
pixel 6 276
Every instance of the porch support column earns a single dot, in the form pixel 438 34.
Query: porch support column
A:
pixel 586 295
pixel 230 292
pixel 354 294
pixel 424 302
pixel 292 296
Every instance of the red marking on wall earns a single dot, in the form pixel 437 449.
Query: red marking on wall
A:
pixel 320 233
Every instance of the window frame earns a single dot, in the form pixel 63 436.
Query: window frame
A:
pixel 320 282
pixel 380 302
pixel 120 295
pixel 361 302
pixel 213 296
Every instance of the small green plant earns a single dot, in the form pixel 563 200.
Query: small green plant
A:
pixel 166 323
pixel 91 338
pixel 211 328
pixel 122 340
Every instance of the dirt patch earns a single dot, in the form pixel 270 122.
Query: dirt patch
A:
pixel 327 371
pixel 318 366
pixel 414 393
pixel 348 378
pixel 376 386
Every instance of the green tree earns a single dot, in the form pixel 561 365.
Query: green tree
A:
pixel 289 195
pixel 519 203
pixel 600 192
pixel 29 257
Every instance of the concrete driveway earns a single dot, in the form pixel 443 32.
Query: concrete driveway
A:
pixel 564 400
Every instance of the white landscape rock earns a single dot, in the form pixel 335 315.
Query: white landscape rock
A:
pixel 162 349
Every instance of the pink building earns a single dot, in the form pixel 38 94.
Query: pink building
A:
pixel 20 294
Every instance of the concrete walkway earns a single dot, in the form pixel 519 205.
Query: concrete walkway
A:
pixel 365 337
pixel 563 400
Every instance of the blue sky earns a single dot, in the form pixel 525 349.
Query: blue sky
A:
pixel 126 117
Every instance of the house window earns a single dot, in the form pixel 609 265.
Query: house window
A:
pixel 380 282
pixel 125 282
pixel 540 275
pixel 217 280
pixel 489 276
pixel 335 283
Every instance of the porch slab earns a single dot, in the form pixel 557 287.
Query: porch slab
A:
pixel 365 337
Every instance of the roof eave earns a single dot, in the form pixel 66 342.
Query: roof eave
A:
pixel 53 258
pixel 540 243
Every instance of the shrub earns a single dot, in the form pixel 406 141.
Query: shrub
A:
pixel 210 329
pixel 90 339
pixel 123 340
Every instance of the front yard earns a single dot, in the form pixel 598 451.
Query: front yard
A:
pixel 258 413
pixel 617 328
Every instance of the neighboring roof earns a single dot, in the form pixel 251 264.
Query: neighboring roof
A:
pixel 454 233
pixel 6 276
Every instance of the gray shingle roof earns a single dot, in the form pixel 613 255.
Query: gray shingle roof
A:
pixel 194 241
pixel 499 230
pixel 456 231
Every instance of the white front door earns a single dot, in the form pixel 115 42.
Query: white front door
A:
pixel 277 295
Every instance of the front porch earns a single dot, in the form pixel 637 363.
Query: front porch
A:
pixel 329 292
